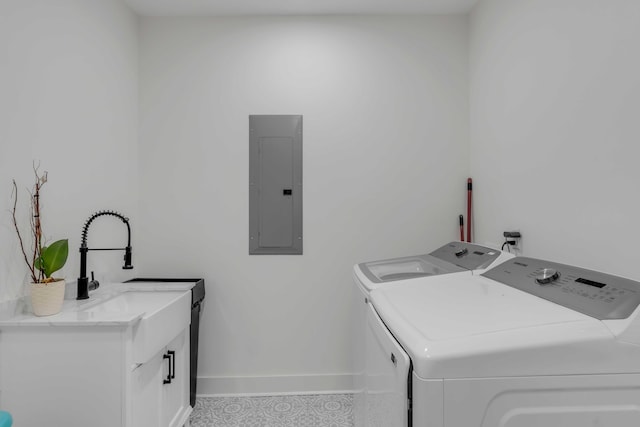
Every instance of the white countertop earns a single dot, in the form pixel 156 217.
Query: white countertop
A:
pixel 18 312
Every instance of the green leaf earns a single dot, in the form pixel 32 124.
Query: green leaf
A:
pixel 38 264
pixel 54 257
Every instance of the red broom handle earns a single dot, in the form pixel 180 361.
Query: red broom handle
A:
pixel 469 190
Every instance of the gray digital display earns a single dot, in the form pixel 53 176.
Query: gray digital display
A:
pixel 591 282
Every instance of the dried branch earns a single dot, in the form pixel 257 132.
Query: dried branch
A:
pixel 37 274
pixel 15 224
pixel 36 226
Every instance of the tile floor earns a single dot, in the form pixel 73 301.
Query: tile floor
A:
pixel 316 410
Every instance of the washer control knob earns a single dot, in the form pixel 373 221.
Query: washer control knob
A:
pixel 547 275
pixel 461 252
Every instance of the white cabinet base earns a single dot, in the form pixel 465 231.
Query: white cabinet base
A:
pixel 85 376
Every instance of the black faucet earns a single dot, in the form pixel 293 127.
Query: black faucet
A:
pixel 83 281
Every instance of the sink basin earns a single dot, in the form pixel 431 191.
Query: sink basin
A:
pixel 135 302
pixel 164 314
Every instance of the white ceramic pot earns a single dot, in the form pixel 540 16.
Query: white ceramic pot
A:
pixel 47 298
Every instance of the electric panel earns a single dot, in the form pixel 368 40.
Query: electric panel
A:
pixel 275 184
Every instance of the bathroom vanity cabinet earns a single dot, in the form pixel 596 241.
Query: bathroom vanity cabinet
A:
pixel 98 369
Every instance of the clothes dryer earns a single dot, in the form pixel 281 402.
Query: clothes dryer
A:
pixel 525 344
pixel 452 258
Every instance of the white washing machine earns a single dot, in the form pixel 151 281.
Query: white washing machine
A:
pixel 452 258
pixel 529 343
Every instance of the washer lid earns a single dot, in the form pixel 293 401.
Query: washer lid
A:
pixel 459 319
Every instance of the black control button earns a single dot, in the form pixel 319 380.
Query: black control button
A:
pixel 461 252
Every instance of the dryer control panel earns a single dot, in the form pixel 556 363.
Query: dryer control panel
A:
pixel 595 294
pixel 466 255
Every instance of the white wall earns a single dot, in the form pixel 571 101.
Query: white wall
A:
pixel 385 105
pixel 68 99
pixel 555 101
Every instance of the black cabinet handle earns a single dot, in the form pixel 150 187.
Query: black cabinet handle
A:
pixel 172 354
pixel 168 379
pixel 171 357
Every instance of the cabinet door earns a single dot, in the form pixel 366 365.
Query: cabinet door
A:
pixel 147 392
pixel 175 395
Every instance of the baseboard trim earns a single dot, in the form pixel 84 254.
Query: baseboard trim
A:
pixel 275 385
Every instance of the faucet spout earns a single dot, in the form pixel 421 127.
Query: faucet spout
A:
pixel 83 281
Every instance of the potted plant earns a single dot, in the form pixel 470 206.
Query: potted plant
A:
pixel 47 292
